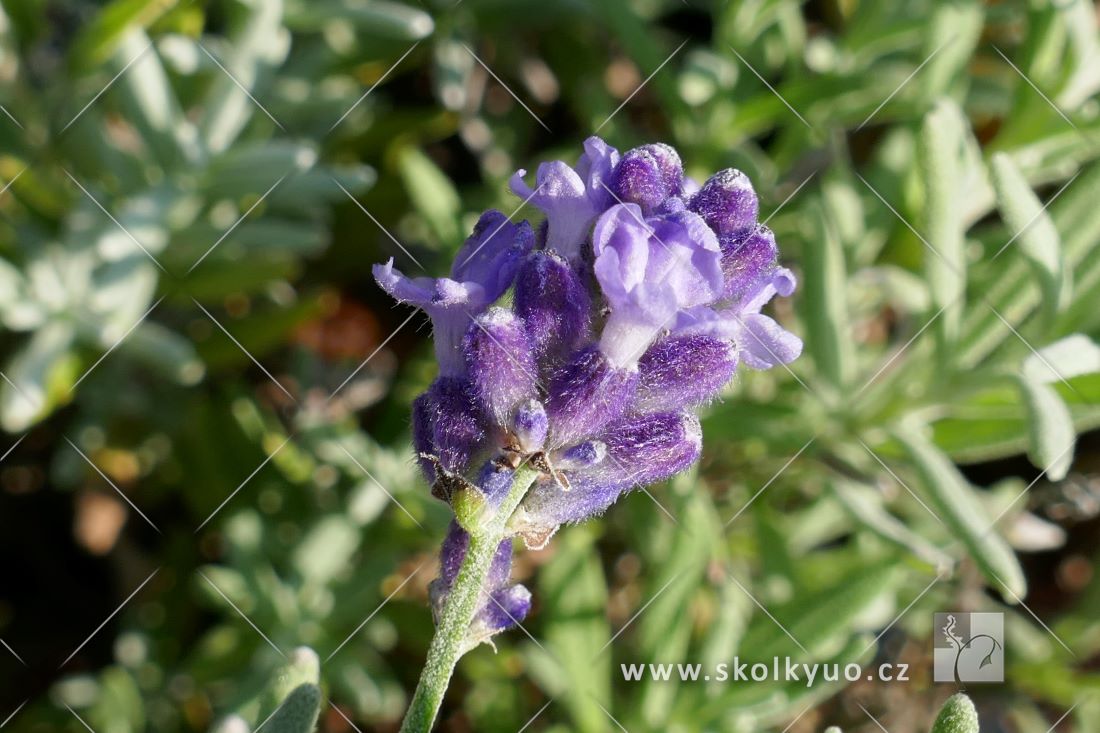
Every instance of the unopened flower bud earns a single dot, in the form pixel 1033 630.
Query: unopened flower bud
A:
pixel 727 202
pixel 501 366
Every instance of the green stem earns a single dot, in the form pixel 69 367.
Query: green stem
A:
pixel 449 642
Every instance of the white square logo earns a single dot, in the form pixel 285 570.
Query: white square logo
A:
pixel 969 647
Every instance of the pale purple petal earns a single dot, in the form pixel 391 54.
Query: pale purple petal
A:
pixel 765 343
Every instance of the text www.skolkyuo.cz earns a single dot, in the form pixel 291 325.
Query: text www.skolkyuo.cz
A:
pixel 781 669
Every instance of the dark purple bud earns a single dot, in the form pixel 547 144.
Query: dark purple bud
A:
pixel 554 304
pixel 452 553
pixel 581 456
pixel 458 424
pixel 530 426
pixel 643 449
pixel 503 609
pixel 727 202
pixel 494 482
pixel 422 433
pixel 586 394
pixel 684 371
pixel 648 175
pixel 748 259
pixel 500 363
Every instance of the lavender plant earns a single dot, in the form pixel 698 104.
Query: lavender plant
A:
pixel 573 358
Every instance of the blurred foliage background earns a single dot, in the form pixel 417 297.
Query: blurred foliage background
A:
pixel 204 400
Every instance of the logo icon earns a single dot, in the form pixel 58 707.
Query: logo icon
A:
pixel 969 647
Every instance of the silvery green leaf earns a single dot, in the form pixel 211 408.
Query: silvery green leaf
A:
pixel 724 636
pixel 299 711
pixel 1030 533
pixel 259 43
pixel 124 290
pixel 164 351
pixel 232 724
pixel 824 301
pixel 662 633
pixel 308 189
pixel 302 667
pixel 59 278
pixel 41 375
pixel 252 168
pixel 225 587
pixel 151 105
pixel 1066 358
pixel 954 502
pixel 1014 290
pixel 374 17
pixel 1051 435
pixel 432 193
pixel 453 66
pixel 822 621
pixel 577 668
pixel 326 549
pixel 953 31
pixel 898 286
pixel 107 31
pixel 1033 229
pixel 865 507
pixel 940 146
pixel 17 310
pixel 1079 17
pixel 275 234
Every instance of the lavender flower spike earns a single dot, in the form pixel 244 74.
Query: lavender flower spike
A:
pixel 569 376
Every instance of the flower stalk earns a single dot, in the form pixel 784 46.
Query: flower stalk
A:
pixel 451 639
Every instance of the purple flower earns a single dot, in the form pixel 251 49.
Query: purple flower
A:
pixel 571 198
pixel 748 258
pixel 649 270
pixel 752 278
pixel 484 268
